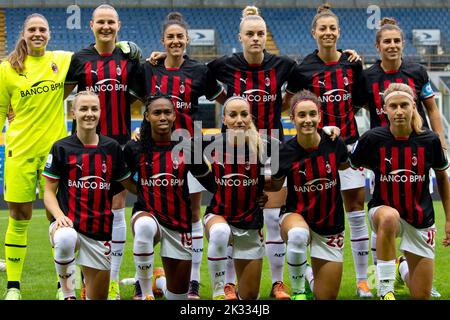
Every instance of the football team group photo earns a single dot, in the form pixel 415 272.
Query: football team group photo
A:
pixel 225 151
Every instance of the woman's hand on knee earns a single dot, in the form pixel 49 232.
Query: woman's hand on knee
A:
pixel 63 221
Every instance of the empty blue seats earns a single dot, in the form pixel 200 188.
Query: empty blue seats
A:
pixel 291 28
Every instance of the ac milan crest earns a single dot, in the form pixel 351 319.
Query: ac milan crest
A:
pixel 328 167
pixel 54 67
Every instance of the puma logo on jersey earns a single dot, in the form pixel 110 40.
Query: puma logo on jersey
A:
pixel 388 160
pixel 220 164
pixel 23 75
pixel 80 166
pixel 94 72
pixel 302 172
pixel 322 82
pixel 157 87
pixel 243 80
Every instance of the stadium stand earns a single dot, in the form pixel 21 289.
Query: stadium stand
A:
pixel 290 27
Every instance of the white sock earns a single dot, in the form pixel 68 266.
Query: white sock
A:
pixel 175 296
pixel 119 236
pixel 65 240
pixel 219 235
pixel 275 246
pixel 197 250
pixel 145 229
pixel 403 269
pixel 296 258
pixel 309 276
pixel 374 247
pixel 359 241
pixel 386 276
pixel 230 273
pixel 161 283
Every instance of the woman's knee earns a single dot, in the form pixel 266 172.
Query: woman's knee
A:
pixel 388 221
pixel 219 233
pixel 64 242
pixel 145 229
pixel 298 236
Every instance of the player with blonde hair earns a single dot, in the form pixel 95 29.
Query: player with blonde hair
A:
pixel 401 155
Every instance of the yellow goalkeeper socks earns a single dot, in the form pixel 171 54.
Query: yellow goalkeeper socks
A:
pixel 15 248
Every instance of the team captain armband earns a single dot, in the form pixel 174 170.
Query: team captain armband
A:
pixel 427 91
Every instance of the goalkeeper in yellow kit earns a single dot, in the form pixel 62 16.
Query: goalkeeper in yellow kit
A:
pixel 32 83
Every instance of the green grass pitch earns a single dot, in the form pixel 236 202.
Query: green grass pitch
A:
pixel 39 278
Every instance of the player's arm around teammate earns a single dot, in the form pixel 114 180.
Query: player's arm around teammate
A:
pixel 314 212
pixel 80 171
pixel 401 156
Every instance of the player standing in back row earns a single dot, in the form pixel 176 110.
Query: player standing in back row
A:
pixel 108 71
pixel 32 84
pixel 328 73
pixel 258 76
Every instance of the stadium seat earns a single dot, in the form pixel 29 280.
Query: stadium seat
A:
pixel 290 27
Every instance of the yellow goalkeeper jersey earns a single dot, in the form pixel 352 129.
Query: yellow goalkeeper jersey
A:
pixel 36 97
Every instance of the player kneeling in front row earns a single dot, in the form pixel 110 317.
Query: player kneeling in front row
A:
pixel 235 213
pixel 162 212
pixel 314 212
pixel 401 156
pixel 83 171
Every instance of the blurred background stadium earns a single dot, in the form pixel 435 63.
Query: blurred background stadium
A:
pixel 214 26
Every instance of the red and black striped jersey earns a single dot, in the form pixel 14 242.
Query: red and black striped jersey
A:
pixel 370 87
pixel 401 167
pixel 332 83
pixel 313 183
pixel 162 181
pixel 239 180
pixel 260 84
pixel 86 175
pixel 185 84
pixel 109 76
